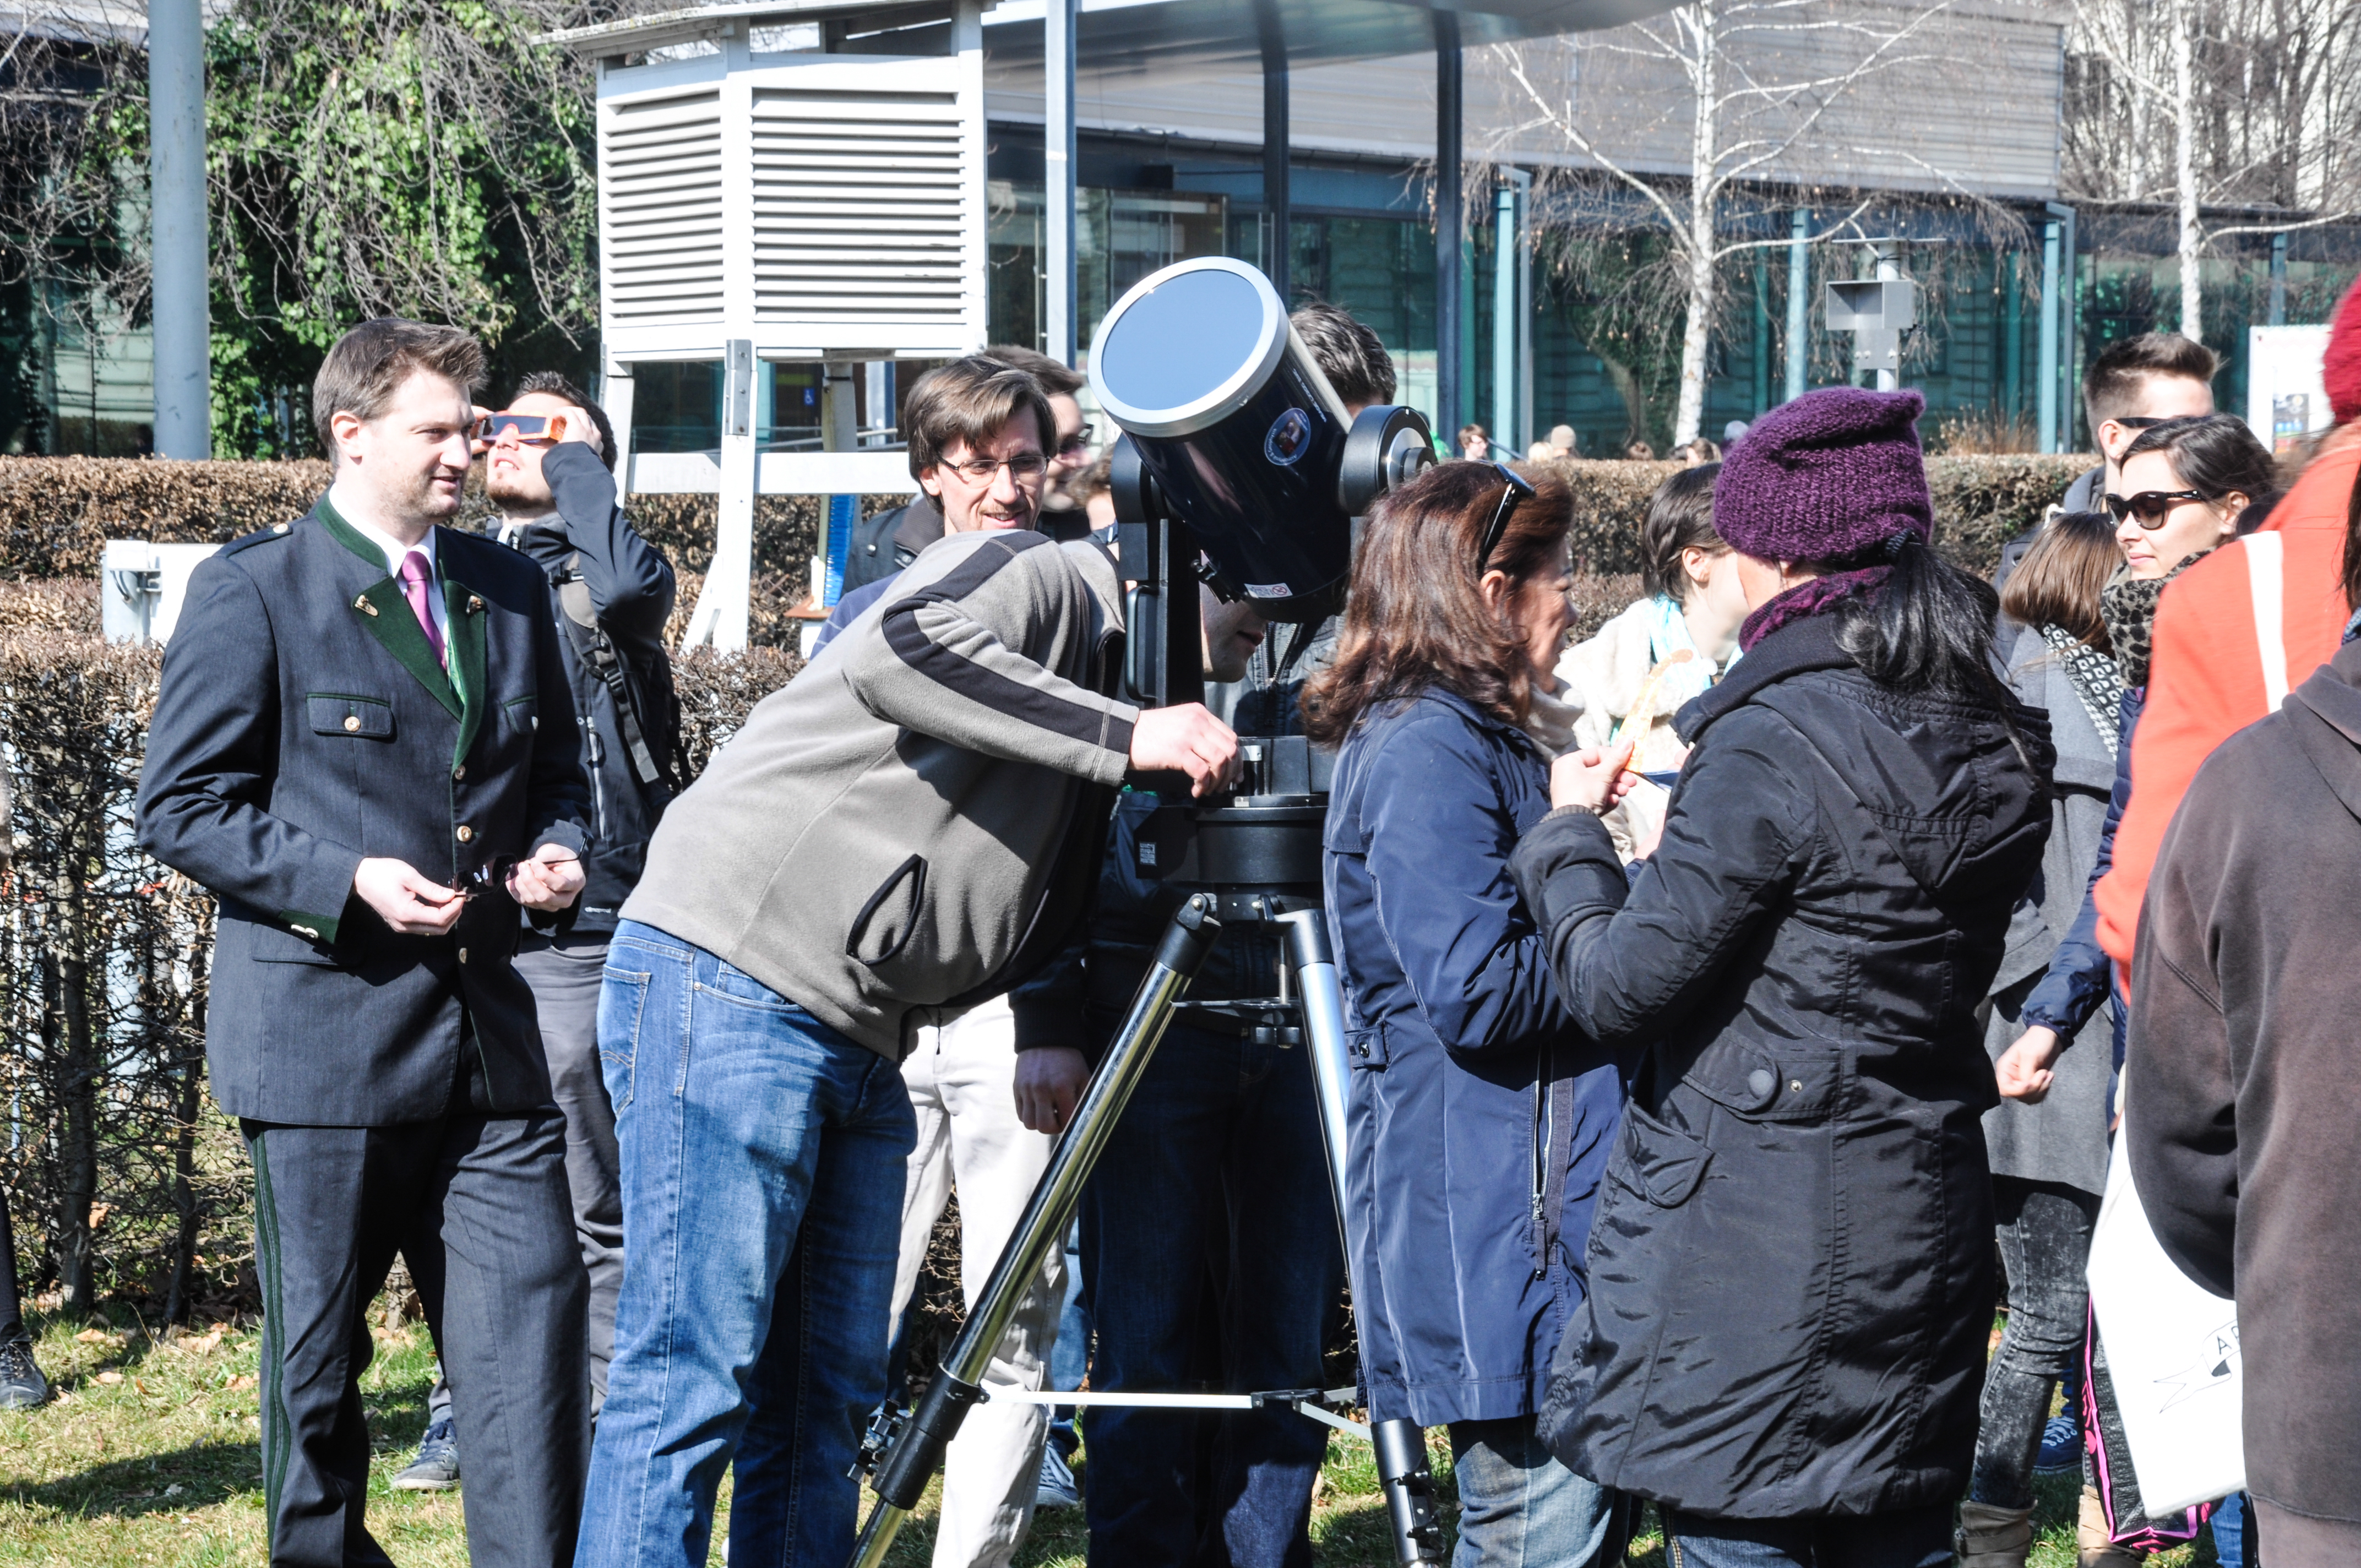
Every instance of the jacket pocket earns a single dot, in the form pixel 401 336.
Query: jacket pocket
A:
pixel 884 925
pixel 1366 1047
pixel 522 715
pixel 340 713
pixel 1660 1163
pixel 271 945
pixel 1795 1085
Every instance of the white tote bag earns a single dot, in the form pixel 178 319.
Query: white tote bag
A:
pixel 2172 1352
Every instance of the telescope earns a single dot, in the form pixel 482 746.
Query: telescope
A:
pixel 1240 467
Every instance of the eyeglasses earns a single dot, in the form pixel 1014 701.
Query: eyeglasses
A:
pixel 493 875
pixel 2151 507
pixel 1517 489
pixel 1078 442
pixel 525 427
pixel 1024 467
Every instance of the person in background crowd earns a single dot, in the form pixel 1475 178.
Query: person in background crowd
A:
pixel 2133 385
pixel 1481 1114
pixel 1474 444
pixel 22 1386
pixel 884 848
pixel 1096 485
pixel 2202 482
pixel 1698 452
pixel 559 504
pixel 1792 1269
pixel 2215 671
pixel 1626 683
pixel 2242 1084
pixel 2049 1158
pixel 1732 432
pixel 890 540
pixel 1209 1229
pixel 364 745
pixel 1640 452
pixel 1561 440
pixel 1541 452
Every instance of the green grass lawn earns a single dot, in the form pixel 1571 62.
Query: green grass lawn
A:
pixel 149 1455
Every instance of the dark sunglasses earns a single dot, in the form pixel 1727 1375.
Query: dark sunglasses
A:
pixel 525 427
pixel 492 876
pixel 1078 442
pixel 1518 489
pixel 2151 507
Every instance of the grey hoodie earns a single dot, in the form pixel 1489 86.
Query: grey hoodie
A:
pixel 914 822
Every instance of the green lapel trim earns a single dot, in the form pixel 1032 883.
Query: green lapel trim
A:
pixel 463 629
pixel 387 616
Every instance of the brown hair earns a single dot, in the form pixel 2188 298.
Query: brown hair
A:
pixel 2058 582
pixel 553 384
pixel 1054 377
pixel 969 401
pixel 1351 356
pixel 1680 517
pixel 371 364
pixel 1098 478
pixel 1414 616
pixel 2113 384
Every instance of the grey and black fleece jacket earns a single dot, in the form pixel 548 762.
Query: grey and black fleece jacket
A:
pixel 914 822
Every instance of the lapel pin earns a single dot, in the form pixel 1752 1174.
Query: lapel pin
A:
pixel 363 605
pixel 475 605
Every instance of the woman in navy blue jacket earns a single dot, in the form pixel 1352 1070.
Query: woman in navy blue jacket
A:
pixel 1480 1117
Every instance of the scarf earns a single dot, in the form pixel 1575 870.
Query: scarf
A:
pixel 2095 679
pixel 1805 599
pixel 2127 604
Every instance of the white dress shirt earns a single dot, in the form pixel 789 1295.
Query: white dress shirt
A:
pixel 394 549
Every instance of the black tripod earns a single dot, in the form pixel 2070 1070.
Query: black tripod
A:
pixel 1251 860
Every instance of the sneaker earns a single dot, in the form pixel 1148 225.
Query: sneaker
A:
pixel 436 1468
pixel 22 1386
pixel 1056 1487
pixel 2061 1446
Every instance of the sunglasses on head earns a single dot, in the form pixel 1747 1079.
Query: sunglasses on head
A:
pixel 2151 507
pixel 525 427
pixel 1518 489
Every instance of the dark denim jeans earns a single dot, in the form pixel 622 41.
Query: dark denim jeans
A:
pixel 761 1161
pixel 1913 1538
pixel 2045 1245
pixel 1519 1508
pixel 1210 1241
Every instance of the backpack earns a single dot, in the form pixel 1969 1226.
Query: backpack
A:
pixel 642 685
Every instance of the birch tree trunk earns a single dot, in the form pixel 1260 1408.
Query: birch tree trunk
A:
pixel 1703 186
pixel 2184 154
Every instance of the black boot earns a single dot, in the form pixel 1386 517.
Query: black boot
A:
pixel 22 1386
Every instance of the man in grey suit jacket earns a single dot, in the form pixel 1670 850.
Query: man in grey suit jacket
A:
pixel 363 744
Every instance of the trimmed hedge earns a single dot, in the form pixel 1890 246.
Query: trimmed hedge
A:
pixel 55 513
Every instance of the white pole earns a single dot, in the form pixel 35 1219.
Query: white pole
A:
pixel 1059 330
pixel 175 185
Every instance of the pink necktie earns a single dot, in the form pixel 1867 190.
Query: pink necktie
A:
pixel 417 582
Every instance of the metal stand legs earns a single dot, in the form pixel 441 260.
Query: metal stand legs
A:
pixel 906 1454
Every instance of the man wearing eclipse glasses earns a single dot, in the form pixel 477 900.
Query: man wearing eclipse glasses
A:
pixel 548 461
pixel 364 746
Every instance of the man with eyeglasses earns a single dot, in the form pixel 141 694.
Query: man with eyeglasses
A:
pixel 892 841
pixel 883 544
pixel 2132 385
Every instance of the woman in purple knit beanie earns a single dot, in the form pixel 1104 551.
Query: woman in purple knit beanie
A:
pixel 1790 1267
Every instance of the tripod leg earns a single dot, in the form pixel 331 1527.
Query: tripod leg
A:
pixel 917 1453
pixel 1402 1472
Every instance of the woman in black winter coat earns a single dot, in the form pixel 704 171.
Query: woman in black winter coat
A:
pixel 1791 1269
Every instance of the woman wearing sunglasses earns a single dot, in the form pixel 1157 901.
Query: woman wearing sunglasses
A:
pixel 1480 1115
pixel 1790 1266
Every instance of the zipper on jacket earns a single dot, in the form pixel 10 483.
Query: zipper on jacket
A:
pixel 1541 1167
pixel 596 751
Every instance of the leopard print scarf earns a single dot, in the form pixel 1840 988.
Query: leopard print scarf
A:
pixel 2127 604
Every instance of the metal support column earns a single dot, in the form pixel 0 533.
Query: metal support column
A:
pixel 2277 316
pixel 1277 212
pixel 2046 374
pixel 1059 330
pixel 176 204
pixel 1889 268
pixel 2064 278
pixel 1450 407
pixel 1511 332
pixel 1799 301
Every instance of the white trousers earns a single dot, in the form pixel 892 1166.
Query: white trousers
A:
pixel 961 1078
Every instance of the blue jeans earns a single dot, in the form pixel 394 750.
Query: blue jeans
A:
pixel 1070 1360
pixel 1211 1249
pixel 1519 1508
pixel 1912 1537
pixel 761 1164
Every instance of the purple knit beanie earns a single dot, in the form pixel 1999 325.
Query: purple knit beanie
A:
pixel 1825 478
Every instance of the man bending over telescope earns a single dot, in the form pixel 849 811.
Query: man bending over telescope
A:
pixel 913 824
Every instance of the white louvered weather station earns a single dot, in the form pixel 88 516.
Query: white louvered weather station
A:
pixel 785 183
